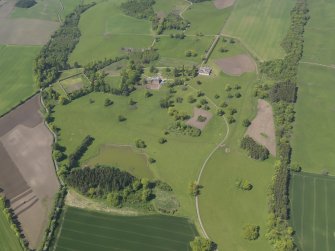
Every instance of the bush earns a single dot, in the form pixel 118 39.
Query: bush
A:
pixel 251 232
pixel 201 118
pixel 25 3
pixel 58 155
pixel 108 102
pixel 194 188
pixel 140 144
pixel 151 160
pixel 191 99
pixel 244 185
pixel 121 118
pixel 202 244
pixel 295 167
pixel 246 123
pixel 255 150
pixel 162 140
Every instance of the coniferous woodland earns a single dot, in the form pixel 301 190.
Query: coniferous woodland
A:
pixel 255 150
pixel 53 57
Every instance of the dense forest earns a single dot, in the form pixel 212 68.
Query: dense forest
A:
pixel 255 150
pixel 25 3
pixel 139 8
pixel 54 55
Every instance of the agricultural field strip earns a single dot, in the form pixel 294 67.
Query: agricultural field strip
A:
pixel 205 162
pixel 314 208
pixel 132 232
pixel 108 247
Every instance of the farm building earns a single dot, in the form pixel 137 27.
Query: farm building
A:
pixel 154 83
pixel 205 71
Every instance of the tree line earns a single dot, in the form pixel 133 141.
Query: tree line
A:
pixel 53 57
pixel 255 150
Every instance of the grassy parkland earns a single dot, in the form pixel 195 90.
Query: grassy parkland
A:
pixel 87 230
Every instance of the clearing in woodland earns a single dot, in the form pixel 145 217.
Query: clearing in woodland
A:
pixel 87 230
pixel 261 25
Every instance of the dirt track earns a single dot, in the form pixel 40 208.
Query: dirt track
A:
pixel 27 174
pixel 237 65
pixel 262 128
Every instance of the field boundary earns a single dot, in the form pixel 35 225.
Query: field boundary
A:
pixel 317 64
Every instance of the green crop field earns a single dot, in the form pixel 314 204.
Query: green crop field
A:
pixel 85 230
pixel 16 74
pixel 124 157
pixel 47 9
pixel 109 33
pixel 205 18
pixel 230 209
pixel 163 6
pixel 313 144
pixel 261 25
pixel 8 240
pixel 313 205
pixel 319 33
pixel 173 50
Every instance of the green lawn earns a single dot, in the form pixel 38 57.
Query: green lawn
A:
pixel 16 75
pixel 319 33
pixel 85 230
pixel 124 157
pixel 261 25
pixel 46 9
pixel 225 209
pixel 313 205
pixel 172 51
pixel 109 33
pixel 8 240
pixel 205 18
pixel 313 145
pixel 181 154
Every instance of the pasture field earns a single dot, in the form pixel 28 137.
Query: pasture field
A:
pixel 46 9
pixel 74 83
pixel 102 123
pixel 320 33
pixel 312 215
pixel 261 25
pixel 312 143
pixel 8 240
pixel 165 7
pixel 87 230
pixel 124 157
pixel 109 33
pixel 230 209
pixel 172 51
pixel 205 18
pixel 16 75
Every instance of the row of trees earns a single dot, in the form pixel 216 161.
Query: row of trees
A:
pixel 25 3
pixel 79 151
pixel 255 150
pixel 283 95
pixel 54 55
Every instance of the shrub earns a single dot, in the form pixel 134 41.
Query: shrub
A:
pixel 223 105
pixel 201 118
pixel 121 118
pixel 148 94
pixel 58 155
pixel 140 144
pixel 162 140
pixel 244 184
pixel 246 122
pixel 194 188
pixel 202 244
pixel 108 102
pixel 231 119
pixel 191 99
pixel 220 112
pixel 251 232
pixel 295 167
pixel 151 160
pixel 25 3
pixel 238 95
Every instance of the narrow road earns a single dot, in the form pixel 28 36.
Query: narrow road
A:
pixel 206 160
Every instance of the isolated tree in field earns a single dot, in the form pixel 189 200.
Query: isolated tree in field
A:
pixel 246 122
pixel 191 99
pixel 194 188
pixel 244 184
pixel 220 112
pixel 202 244
pixel 140 144
pixel 251 232
pixel 148 94
pixel 162 140
pixel 122 118
pixel 108 102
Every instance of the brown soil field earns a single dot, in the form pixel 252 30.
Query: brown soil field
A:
pixel 28 177
pixel 23 31
pixel 222 4
pixel 262 128
pixel 237 65
pixel 194 120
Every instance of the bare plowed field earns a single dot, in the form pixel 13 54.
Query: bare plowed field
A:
pixel 237 65
pixel 262 128
pixel 27 174
pixel 23 31
pixel 222 4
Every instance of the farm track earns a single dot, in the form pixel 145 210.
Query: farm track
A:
pixel 317 64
